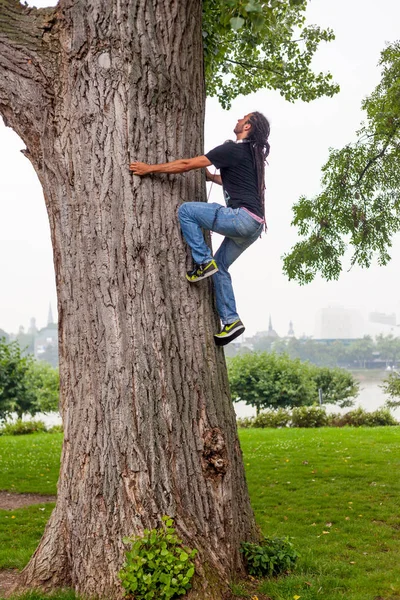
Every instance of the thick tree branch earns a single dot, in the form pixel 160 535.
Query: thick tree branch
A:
pixel 25 68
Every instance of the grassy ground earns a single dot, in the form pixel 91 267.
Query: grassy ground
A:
pixel 34 595
pixel 20 531
pixel 336 492
pixel 30 463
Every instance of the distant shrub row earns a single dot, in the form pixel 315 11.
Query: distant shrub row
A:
pixel 23 427
pixel 315 416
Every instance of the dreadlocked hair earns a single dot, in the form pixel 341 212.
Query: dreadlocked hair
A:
pixel 259 145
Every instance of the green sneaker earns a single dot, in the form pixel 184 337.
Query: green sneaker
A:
pixel 229 332
pixel 202 271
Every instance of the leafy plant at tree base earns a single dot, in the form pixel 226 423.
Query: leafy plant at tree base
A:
pixel 271 557
pixel 157 565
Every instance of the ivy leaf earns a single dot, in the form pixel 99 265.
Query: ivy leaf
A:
pixel 251 7
pixel 236 23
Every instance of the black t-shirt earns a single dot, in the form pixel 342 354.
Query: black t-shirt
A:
pixel 238 174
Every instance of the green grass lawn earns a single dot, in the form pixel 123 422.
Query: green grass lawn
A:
pixel 37 595
pixel 30 463
pixel 335 492
pixel 20 532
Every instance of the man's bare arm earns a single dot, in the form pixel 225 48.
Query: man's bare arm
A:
pixel 213 177
pixel 176 166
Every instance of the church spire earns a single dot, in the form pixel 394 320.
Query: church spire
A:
pixel 270 328
pixel 271 331
pixel 291 330
pixel 50 319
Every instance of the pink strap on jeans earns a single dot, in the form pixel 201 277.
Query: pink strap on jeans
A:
pixel 256 217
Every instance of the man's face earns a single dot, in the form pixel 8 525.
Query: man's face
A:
pixel 242 124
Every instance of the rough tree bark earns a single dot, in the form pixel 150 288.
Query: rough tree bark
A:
pixel 149 426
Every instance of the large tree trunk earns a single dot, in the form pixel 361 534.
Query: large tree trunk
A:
pixel 148 422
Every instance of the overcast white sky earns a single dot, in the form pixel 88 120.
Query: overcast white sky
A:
pixel 300 137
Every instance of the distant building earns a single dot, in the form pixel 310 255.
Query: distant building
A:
pixel 41 343
pixel 32 327
pixel 270 333
pixel 382 318
pixel 291 330
pixel 336 322
pixel 46 341
pixel 50 315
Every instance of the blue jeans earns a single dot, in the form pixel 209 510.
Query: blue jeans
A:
pixel 240 231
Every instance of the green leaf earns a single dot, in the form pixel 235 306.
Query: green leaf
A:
pixel 252 7
pixel 236 23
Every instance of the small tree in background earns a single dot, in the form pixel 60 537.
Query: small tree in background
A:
pixel 338 385
pixel 16 394
pixel 270 380
pixel 27 386
pixel 361 351
pixel 391 386
pixel 388 347
pixel 44 381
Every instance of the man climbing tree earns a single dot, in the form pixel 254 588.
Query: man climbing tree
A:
pixel 149 428
pixel 241 222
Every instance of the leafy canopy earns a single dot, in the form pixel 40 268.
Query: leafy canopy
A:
pixel 270 380
pixel 359 205
pixel 26 385
pixel 15 392
pixel 251 44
